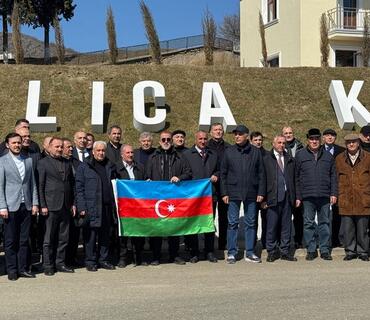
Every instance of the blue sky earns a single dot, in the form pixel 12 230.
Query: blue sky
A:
pixel 173 19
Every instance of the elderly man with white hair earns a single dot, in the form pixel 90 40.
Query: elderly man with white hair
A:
pixel 142 154
pixel 95 203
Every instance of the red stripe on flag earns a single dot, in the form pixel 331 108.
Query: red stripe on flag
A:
pixel 173 208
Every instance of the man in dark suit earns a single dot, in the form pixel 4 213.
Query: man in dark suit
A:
pixel 79 152
pixel 113 152
pixel 178 140
pixel 329 137
pixel 56 190
pixel 146 149
pixel 204 165
pixel 95 202
pixel 165 164
pixel 18 198
pixel 279 201
pixel 129 169
pixel 218 145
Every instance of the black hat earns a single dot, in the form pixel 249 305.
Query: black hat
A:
pixel 365 130
pixel 179 131
pixel 313 132
pixel 329 131
pixel 241 129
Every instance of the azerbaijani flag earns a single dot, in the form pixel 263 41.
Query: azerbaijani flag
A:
pixel 161 208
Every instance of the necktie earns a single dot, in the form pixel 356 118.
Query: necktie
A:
pixel 280 162
pixel 82 156
pixel 203 154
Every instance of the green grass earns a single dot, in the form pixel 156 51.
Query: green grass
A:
pixel 263 99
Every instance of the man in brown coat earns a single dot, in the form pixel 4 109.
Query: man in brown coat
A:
pixel 353 167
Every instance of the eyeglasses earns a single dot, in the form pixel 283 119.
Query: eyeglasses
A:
pixel 165 139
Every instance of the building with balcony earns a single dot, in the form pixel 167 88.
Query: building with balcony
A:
pixel 292 31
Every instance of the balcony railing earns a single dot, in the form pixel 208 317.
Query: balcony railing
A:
pixel 347 19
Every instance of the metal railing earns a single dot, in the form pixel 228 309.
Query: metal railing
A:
pixel 347 19
pixel 143 50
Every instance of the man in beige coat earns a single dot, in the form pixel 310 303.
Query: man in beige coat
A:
pixel 353 170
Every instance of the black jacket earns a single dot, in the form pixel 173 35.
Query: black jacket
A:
pixel 113 154
pixel 178 166
pixel 75 158
pixel 139 171
pixel 315 178
pixel 202 169
pixel 55 189
pixel 242 173
pixel 337 150
pixel 142 156
pixel 271 167
pixel 89 193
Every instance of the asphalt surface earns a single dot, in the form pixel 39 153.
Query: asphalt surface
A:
pixel 280 290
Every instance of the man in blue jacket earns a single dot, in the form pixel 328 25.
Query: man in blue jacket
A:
pixel 242 180
pixel 316 187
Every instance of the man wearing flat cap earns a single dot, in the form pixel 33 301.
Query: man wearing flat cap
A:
pixel 178 140
pixel 329 137
pixel 365 138
pixel 316 188
pixel 242 180
pixel 353 167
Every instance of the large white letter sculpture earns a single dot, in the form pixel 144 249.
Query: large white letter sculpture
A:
pixel 37 123
pixel 97 109
pixel 212 95
pixel 149 89
pixel 348 109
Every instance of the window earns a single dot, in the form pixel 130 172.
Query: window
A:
pixel 274 62
pixel 345 58
pixel 271 10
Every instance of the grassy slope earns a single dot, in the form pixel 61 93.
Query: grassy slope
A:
pixel 265 100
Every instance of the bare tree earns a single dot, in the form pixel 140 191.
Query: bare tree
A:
pixel 59 41
pixel 324 40
pixel 16 34
pixel 209 36
pixel 263 41
pixel 112 39
pixel 366 42
pixel 230 28
pixel 151 33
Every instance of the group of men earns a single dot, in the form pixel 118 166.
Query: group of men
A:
pixel 49 199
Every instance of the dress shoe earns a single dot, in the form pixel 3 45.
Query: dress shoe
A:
pixel 311 256
pixel 349 257
pixel 26 274
pixel 288 257
pixel 178 260
pixel 49 272
pixel 155 263
pixel 364 257
pixel 230 259
pixel 141 263
pixel 65 269
pixel 326 256
pixel 107 266
pixel 194 259
pixel 252 258
pixel 211 257
pixel 122 264
pixel 91 268
pixel 12 276
pixel 271 257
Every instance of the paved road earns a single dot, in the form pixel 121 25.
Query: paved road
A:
pixel 279 290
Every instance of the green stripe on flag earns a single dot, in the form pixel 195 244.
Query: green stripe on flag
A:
pixel 154 227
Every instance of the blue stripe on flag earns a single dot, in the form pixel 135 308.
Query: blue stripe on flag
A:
pixel 163 189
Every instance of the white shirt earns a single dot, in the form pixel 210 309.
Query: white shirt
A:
pixel 19 163
pixel 277 155
pixel 130 170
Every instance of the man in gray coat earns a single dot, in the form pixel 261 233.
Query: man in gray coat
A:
pixel 18 198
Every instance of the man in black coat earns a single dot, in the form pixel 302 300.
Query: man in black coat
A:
pixel 142 154
pixel 80 153
pixel 365 138
pixel 165 164
pixel 129 169
pixel 178 140
pixel 329 137
pixel 279 201
pixel 242 180
pixel 204 165
pixel 56 191
pixel 95 203
pixel 317 189
pixel 113 152
pixel 218 145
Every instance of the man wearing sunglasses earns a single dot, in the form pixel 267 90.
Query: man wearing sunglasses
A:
pixel 165 164
pixel 316 188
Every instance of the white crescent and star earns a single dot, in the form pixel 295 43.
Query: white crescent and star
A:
pixel 170 208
